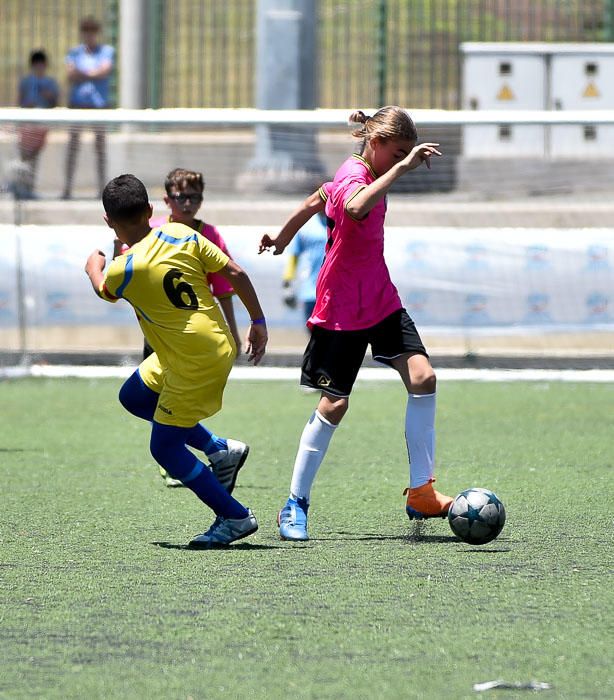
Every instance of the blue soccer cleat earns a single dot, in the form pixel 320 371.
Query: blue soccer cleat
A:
pixel 292 520
pixel 224 531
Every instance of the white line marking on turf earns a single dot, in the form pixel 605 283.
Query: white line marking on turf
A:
pixel 294 373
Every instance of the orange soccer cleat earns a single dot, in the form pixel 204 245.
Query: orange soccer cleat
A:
pixel 424 502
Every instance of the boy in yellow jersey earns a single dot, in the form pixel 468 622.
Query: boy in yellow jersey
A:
pixel 163 276
pixel 184 196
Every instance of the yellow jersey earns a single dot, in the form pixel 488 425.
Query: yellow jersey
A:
pixel 163 277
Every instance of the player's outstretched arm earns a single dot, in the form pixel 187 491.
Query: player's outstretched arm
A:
pixel 369 196
pixel 310 206
pixel 94 268
pixel 257 335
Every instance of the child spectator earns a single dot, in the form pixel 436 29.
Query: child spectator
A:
pixel 39 90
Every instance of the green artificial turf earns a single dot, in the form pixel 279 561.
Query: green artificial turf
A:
pixel 101 598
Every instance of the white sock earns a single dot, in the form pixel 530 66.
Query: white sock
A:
pixel 311 450
pixel 420 438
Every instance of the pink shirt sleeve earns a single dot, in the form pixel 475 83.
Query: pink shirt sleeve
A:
pixel 156 221
pixel 220 286
pixel 325 190
pixel 348 188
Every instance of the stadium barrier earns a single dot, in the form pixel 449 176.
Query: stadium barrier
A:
pixel 524 291
pixel 243 150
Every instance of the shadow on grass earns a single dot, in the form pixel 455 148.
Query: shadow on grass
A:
pixel 243 546
pixel 264 487
pixel 374 536
pixel 18 449
pixel 430 539
pixel 477 549
pixel 353 537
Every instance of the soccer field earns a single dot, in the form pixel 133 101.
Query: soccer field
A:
pixel 101 598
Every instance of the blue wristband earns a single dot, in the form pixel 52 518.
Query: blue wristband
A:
pixel 258 321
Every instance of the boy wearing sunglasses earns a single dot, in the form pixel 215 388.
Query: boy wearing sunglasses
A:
pixel 184 196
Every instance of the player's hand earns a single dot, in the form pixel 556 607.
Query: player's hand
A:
pixel 96 261
pixel 421 154
pixel 255 342
pixel 238 343
pixel 266 243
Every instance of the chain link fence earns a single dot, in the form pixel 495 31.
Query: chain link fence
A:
pixel 201 53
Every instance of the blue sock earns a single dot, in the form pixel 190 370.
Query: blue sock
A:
pixel 137 398
pixel 168 447
pixel 206 441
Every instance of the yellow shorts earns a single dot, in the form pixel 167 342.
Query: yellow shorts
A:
pixel 189 396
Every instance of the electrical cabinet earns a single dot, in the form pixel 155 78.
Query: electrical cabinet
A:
pixel 506 77
pixel 512 76
pixel 581 77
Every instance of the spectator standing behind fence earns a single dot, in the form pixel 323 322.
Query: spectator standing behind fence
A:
pixel 36 90
pixel 89 67
pixel 304 263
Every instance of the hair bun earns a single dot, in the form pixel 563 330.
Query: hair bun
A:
pixel 358 117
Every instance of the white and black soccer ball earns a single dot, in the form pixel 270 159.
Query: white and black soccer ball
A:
pixel 477 516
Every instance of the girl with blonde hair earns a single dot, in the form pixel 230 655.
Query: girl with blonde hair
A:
pixel 358 305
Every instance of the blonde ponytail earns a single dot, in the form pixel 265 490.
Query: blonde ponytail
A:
pixel 359 117
pixel 387 123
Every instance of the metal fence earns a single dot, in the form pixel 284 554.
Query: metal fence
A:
pixel 376 52
pixel 53 25
pixel 371 52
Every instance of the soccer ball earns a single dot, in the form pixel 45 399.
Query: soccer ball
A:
pixel 476 516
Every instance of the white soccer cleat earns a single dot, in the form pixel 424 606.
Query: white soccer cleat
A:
pixel 170 481
pixel 226 530
pixel 226 463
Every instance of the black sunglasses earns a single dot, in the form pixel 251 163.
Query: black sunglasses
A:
pixel 192 198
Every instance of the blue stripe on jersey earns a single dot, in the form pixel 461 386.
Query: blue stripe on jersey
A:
pixel 128 272
pixel 176 241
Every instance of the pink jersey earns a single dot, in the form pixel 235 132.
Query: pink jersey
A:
pixel 354 290
pixel 220 286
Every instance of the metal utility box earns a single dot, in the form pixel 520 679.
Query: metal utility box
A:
pixel 582 77
pixel 503 76
pixel 525 76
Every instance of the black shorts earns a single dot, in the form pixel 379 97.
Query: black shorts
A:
pixel 332 358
